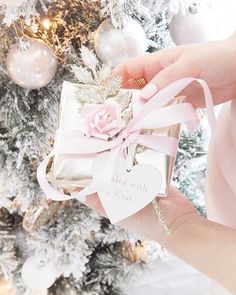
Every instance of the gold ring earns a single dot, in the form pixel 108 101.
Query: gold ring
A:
pixel 140 82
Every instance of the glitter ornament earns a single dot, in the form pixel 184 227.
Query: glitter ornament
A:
pixel 114 45
pixel 31 64
pixel 38 275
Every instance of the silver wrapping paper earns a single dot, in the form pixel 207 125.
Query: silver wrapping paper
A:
pixel 164 163
pixel 70 171
pixel 73 171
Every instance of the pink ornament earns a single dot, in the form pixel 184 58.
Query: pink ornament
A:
pixel 31 64
pixel 103 120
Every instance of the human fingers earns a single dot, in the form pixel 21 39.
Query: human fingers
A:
pixel 146 65
pixel 180 69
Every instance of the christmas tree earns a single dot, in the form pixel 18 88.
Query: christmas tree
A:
pixel 64 247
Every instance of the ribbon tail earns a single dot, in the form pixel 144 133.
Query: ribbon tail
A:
pixel 50 192
pixel 162 144
pixel 101 182
pixel 54 194
pixel 85 145
pixel 209 104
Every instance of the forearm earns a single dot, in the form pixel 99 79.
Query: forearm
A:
pixel 231 43
pixel 207 246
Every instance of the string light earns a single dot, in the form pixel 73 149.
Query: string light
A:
pixel 62 26
pixel 46 23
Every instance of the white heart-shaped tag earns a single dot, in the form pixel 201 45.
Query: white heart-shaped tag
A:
pixel 128 192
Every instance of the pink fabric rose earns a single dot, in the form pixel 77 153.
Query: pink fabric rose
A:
pixel 103 120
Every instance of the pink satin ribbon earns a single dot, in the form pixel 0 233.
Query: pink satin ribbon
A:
pixel 154 114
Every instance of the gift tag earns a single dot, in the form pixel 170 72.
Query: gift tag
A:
pixel 129 191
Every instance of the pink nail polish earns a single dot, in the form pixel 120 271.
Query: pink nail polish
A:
pixel 148 91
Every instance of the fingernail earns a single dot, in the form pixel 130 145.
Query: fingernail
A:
pixel 148 91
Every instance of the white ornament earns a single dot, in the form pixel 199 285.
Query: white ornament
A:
pixel 31 64
pixel 37 275
pixel 129 191
pixel 116 45
pixel 179 6
pixel 194 27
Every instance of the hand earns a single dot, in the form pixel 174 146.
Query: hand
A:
pixel 207 246
pixel 214 62
pixel 177 210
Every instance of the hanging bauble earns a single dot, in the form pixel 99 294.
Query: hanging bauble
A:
pixel 197 25
pixel 38 275
pixel 116 45
pixel 31 64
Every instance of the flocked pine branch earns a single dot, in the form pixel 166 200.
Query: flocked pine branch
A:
pixel 190 167
pixel 28 120
pixel 68 239
pixel 154 16
pixel 8 259
pixel 14 9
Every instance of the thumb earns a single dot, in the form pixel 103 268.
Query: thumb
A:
pixel 166 76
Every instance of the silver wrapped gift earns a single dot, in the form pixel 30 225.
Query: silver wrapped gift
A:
pixel 73 171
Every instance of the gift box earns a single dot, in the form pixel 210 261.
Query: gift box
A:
pixel 73 171
pixel 113 145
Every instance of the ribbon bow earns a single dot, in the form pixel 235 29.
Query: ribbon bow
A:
pixel 154 114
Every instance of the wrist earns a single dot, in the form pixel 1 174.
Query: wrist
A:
pixel 183 228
